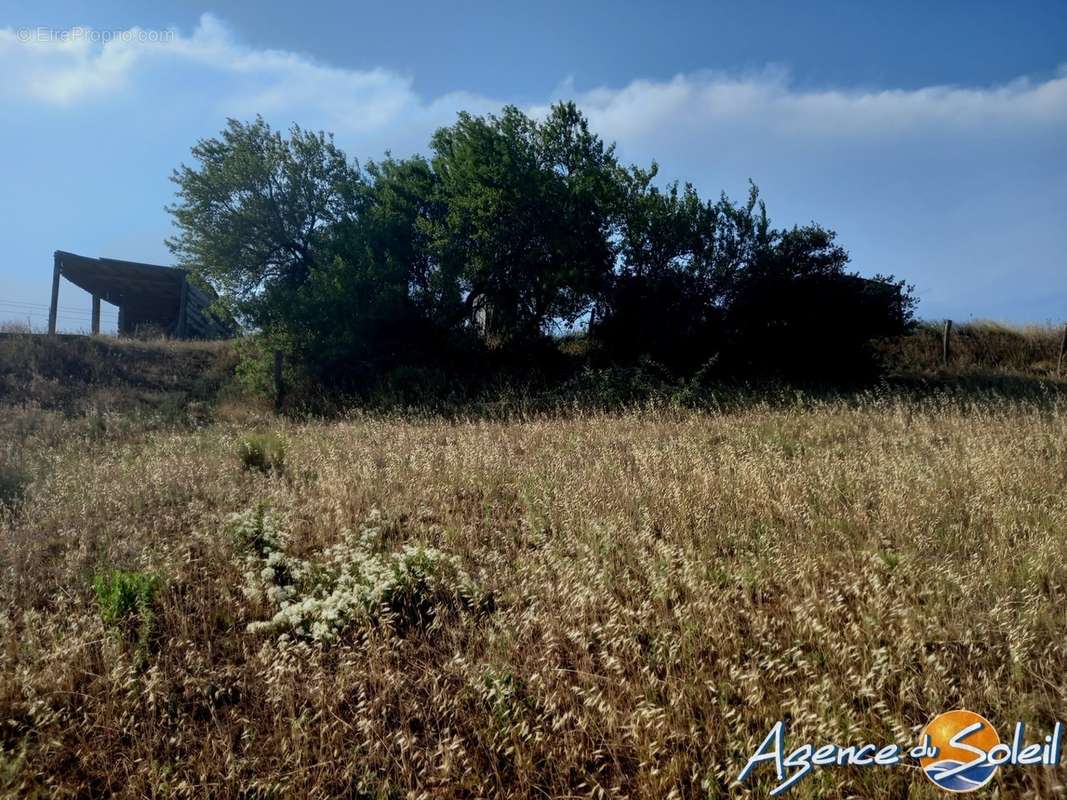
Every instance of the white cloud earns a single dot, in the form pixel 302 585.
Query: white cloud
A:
pixel 60 71
pixel 74 70
pixel 245 81
pixel 769 102
pixel 958 188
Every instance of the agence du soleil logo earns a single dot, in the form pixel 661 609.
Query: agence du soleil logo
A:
pixel 959 751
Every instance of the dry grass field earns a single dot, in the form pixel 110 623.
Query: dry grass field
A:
pixel 583 606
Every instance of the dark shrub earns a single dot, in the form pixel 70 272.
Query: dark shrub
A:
pixel 14 481
pixel 812 327
pixel 663 318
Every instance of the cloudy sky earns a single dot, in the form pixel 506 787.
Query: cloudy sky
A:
pixel 931 137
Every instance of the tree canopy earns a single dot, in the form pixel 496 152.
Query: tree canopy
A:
pixel 512 230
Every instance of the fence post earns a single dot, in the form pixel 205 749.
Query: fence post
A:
pixel 1063 350
pixel 946 352
pixel 279 383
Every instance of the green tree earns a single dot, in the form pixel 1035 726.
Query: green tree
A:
pixel 408 203
pixel 526 216
pixel 254 216
pixel 662 229
pixel 514 228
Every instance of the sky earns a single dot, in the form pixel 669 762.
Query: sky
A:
pixel 931 136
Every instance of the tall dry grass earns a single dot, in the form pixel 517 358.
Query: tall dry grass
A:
pixel 664 586
pixel 980 345
pixel 79 375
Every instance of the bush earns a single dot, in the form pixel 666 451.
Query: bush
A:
pixel 618 387
pixel 352 581
pixel 262 451
pixel 255 532
pixel 659 318
pixel 414 387
pixel 812 327
pixel 14 481
pixel 126 601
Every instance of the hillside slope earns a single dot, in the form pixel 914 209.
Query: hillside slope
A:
pixel 77 374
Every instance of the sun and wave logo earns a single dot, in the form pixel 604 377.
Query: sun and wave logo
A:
pixel 962 741
pixel 960 752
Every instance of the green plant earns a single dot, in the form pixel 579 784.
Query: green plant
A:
pixel 14 481
pixel 255 531
pixel 127 604
pixel 262 451
pixel 350 581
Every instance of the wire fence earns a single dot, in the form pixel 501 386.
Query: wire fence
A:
pixel 35 316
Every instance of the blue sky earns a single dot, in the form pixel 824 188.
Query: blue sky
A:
pixel 931 136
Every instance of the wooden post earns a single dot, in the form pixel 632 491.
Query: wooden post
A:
pixel 1063 350
pixel 946 352
pixel 54 308
pixel 96 314
pixel 279 384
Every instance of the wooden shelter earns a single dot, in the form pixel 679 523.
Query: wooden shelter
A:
pixel 146 295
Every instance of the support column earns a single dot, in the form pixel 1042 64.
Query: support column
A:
pixel 96 314
pixel 1063 351
pixel 54 308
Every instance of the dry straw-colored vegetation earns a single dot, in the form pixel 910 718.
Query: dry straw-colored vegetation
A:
pixel 583 606
pixel 982 345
